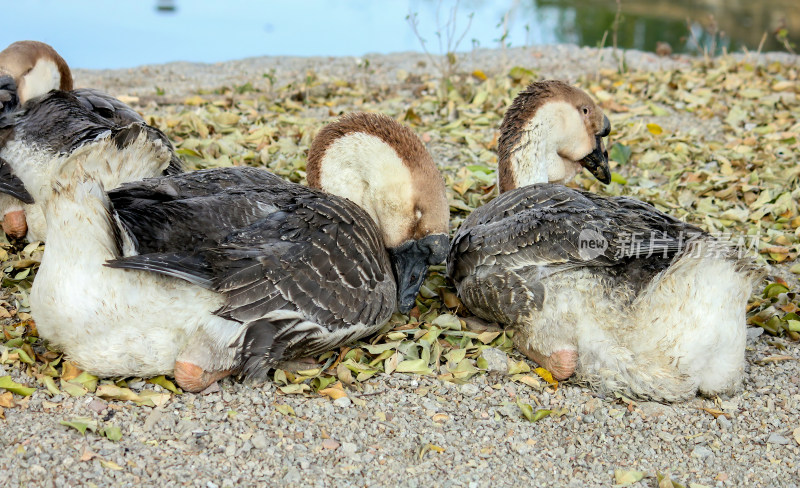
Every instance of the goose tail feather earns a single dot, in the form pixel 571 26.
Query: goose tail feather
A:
pixel 690 330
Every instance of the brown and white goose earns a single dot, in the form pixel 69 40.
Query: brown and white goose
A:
pixel 35 82
pixel 235 270
pixel 638 301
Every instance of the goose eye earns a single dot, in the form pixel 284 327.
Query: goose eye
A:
pixel 585 110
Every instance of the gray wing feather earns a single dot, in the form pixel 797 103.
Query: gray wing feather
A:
pixel 285 248
pixel 504 249
pixel 542 225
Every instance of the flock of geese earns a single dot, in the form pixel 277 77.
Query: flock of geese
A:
pixel 150 270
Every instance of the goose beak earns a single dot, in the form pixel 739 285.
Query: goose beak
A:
pixel 597 161
pixel 410 262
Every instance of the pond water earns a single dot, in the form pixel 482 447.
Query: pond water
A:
pixel 126 33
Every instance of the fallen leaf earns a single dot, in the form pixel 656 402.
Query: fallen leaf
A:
pixel 285 409
pixel 623 477
pixel 163 382
pixel 547 376
pixel 110 465
pixel 81 424
pixel 114 392
pixel 70 370
pixel 7 383
pixel 7 400
pixel 112 433
pixel 334 391
pixel 654 129
pixel 87 455
pixel 716 413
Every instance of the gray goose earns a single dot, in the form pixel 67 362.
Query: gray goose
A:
pixel 30 71
pixel 639 302
pixel 233 270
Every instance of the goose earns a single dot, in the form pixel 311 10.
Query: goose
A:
pixel 637 302
pixel 29 73
pixel 234 270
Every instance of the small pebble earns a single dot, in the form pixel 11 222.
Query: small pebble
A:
pixel 259 441
pixel 343 402
pixel 330 444
pixel 97 405
pixel 348 448
pixel 292 476
pixel 496 360
pixel 777 439
pixel 701 452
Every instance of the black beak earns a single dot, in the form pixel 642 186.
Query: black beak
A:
pixel 11 185
pixel 597 161
pixel 410 262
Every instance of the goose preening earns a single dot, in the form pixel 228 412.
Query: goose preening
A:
pixel 36 83
pixel 639 302
pixel 234 270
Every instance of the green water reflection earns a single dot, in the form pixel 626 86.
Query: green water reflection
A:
pixel 684 24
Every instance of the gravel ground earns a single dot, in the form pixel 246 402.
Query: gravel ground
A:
pixel 409 430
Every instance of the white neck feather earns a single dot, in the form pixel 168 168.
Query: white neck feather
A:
pixel 43 78
pixel 536 157
pixel 364 169
pixel 79 224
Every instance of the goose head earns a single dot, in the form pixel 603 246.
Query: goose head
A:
pixel 36 68
pixel 551 131
pixel 383 167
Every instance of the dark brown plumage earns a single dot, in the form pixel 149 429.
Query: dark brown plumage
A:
pixel 267 245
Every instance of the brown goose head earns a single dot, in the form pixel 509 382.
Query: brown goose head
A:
pixel 549 133
pixel 36 68
pixel 383 167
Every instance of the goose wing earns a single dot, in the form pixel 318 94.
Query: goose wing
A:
pixel 61 121
pixel 553 228
pixel 190 211
pixel 303 270
pixel 121 114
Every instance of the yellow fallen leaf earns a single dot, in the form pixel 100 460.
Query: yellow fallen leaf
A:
pixel 285 409
pixel 114 392
pixel 163 382
pixel 775 359
pixel 335 391
pixel 716 413
pixel 110 465
pixel 70 371
pixel 528 380
pixel 654 129
pixel 479 74
pixel 195 100
pixel 547 376
pixel 7 400
pixel 622 477
pixel 436 448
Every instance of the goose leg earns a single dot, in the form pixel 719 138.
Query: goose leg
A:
pixel 14 224
pixel 202 362
pixel 561 363
pixel 193 378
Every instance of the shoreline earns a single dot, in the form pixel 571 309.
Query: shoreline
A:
pixel 562 61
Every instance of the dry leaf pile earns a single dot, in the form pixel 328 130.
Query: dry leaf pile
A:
pixel 716 144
